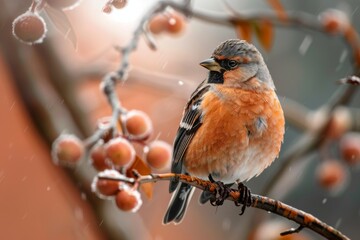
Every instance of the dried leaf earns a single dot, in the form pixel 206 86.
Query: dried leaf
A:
pixel 244 30
pixel 140 166
pixel 357 56
pixel 352 38
pixel 62 23
pixel 265 33
pixel 279 9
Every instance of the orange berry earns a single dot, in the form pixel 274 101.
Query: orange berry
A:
pixel 120 152
pixel 159 154
pixel 340 123
pixel 334 21
pixel 158 24
pixel 67 149
pixel 176 23
pixel 128 200
pixel 63 4
pixel 29 28
pixel 138 124
pixel 119 3
pixel 332 175
pixel 350 148
pixel 107 187
pixel 98 158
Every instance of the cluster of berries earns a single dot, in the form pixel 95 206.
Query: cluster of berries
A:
pixel 113 155
pixel 333 173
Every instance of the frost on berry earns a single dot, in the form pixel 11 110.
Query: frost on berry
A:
pixel 334 21
pixel 105 188
pixel 98 157
pixel 332 175
pixel 158 154
pixel 120 152
pixel 64 4
pixel 350 148
pixel 29 28
pixel 128 199
pixel 176 23
pixel 67 149
pixel 138 124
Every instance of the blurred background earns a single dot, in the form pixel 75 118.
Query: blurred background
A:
pixel 53 87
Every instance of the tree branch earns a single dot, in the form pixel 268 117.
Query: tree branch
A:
pixel 305 220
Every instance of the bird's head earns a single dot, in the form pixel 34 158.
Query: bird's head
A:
pixel 237 63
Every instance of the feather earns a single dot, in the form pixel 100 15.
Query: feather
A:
pixel 189 124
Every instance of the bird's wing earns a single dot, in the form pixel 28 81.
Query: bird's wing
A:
pixel 190 122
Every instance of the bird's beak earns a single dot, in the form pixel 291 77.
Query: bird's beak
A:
pixel 211 64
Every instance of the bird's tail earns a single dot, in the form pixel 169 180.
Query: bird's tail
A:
pixel 178 203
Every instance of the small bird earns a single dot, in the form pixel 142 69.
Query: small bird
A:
pixel 232 126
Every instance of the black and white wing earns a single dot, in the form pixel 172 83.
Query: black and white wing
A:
pixel 189 124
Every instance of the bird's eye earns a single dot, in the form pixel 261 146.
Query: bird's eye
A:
pixel 232 64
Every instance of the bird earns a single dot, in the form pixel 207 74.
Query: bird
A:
pixel 232 126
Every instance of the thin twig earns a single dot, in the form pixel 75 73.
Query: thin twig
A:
pixel 302 218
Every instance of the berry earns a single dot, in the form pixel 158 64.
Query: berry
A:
pixel 29 28
pixel 159 154
pixel 340 123
pixel 176 23
pixel 332 175
pixel 63 4
pixel 334 21
pixel 120 152
pixel 67 149
pixel 118 4
pixel 128 200
pixel 172 22
pixel 107 187
pixel 98 157
pixel 138 124
pixel 350 148
pixel 158 24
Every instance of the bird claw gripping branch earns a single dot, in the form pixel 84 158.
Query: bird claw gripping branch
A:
pixel 245 197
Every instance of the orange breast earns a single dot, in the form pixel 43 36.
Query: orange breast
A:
pixel 240 136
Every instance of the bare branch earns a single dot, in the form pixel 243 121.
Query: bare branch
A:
pixel 302 218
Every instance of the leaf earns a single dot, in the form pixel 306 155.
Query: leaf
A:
pixel 279 9
pixel 140 166
pixel 352 38
pixel 264 31
pixel 243 30
pixel 62 23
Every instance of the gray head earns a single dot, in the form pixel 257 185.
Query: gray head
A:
pixel 235 62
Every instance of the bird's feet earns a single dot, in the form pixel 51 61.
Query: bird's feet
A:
pixel 245 198
pixel 221 194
